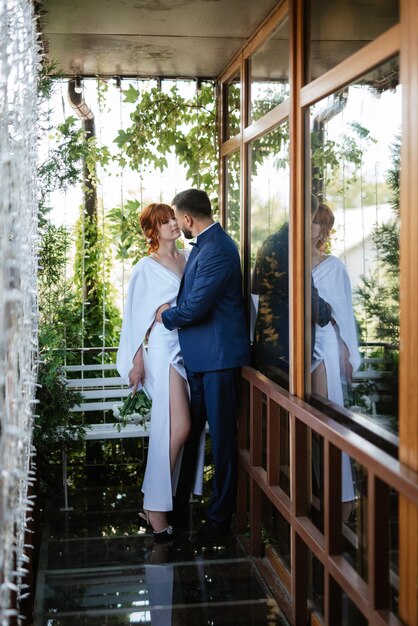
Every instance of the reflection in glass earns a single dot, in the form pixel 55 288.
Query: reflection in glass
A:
pixel 338 29
pixel 394 550
pixel 284 450
pixel 355 160
pixel 276 532
pixel 315 584
pixel 244 413
pixel 233 106
pixel 355 525
pixel 269 161
pixel 232 185
pixel 264 431
pixel 350 614
pixel 269 72
pixel 316 512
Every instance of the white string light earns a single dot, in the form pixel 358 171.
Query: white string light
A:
pixel 19 59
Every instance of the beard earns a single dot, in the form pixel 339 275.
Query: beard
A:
pixel 187 233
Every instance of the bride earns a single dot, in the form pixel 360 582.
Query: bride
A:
pixel 149 356
pixel 336 354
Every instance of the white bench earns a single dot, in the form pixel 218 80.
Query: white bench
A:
pixel 99 394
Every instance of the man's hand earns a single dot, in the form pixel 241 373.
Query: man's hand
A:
pixel 136 376
pixel 161 310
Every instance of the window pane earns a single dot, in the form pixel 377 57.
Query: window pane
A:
pixel 269 162
pixel 337 29
pixel 232 185
pixel 276 533
pixel 355 160
pixel 269 73
pixel 315 585
pixel 355 529
pixel 233 106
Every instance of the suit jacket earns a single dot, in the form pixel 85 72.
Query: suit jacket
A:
pixel 210 314
pixel 271 281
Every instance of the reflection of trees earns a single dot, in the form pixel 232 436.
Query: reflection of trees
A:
pixel 337 172
pixel 234 109
pixel 233 186
pixel 334 160
pixel 273 94
pixel 274 145
pixel 378 293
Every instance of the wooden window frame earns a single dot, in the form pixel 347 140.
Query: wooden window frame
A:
pixel 384 471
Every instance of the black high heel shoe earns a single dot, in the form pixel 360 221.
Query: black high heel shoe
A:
pixel 160 536
pixel 163 536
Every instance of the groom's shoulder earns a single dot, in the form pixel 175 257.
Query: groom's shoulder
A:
pixel 221 237
pixel 222 243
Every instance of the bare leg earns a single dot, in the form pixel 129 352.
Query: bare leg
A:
pixel 346 510
pixel 319 386
pixel 179 415
pixel 179 431
pixel 319 381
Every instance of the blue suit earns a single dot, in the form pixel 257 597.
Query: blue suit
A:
pixel 214 341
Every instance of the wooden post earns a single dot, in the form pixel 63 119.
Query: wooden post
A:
pixel 408 388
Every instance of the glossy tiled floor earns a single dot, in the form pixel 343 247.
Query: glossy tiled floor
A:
pixel 98 567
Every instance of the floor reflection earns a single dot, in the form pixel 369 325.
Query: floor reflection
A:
pixel 98 567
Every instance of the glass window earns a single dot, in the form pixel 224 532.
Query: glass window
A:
pixel 276 534
pixel 338 29
pixel 354 246
pixel 233 106
pixel 269 73
pixel 269 163
pixel 233 187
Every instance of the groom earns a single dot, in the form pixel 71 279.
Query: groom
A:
pixel 214 341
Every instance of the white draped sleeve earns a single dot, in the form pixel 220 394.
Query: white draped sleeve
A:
pixel 149 287
pixel 333 284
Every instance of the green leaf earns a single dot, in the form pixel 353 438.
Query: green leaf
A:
pixel 131 94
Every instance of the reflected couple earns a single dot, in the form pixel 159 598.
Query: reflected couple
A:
pixel 270 282
pixel 334 344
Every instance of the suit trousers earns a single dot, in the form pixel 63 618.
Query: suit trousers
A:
pixel 214 398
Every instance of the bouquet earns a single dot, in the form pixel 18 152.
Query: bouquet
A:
pixel 135 409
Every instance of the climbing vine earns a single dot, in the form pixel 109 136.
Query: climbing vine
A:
pixel 164 122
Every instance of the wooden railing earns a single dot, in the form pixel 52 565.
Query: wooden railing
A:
pixel 260 448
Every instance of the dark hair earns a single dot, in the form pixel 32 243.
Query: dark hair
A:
pixel 193 201
pixel 150 219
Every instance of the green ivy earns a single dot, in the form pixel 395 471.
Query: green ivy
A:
pixel 167 122
pixel 101 322
pixel 126 233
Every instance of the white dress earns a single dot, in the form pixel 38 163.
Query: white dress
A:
pixel 331 279
pixel 151 285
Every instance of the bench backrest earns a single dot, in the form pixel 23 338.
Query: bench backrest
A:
pixel 100 393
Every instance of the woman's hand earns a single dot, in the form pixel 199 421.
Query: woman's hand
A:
pixel 160 311
pixel 136 375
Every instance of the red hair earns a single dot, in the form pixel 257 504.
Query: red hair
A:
pixel 325 218
pixel 150 219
